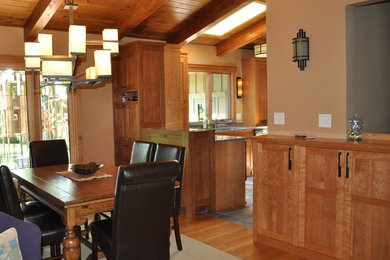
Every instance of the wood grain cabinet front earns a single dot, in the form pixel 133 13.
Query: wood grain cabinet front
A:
pixel 273 209
pixel 335 204
pixel 347 203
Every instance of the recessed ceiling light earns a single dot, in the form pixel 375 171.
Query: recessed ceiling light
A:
pixel 241 16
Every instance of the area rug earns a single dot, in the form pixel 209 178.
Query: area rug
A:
pixel 192 250
pixel 195 250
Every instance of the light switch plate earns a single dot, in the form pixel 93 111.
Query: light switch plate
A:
pixel 279 118
pixel 239 116
pixel 325 120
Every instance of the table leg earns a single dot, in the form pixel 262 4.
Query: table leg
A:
pixel 71 245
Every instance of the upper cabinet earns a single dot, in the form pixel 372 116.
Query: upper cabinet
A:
pixel 254 100
pixel 147 92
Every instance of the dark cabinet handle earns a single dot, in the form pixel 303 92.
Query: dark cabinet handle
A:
pixel 339 165
pixel 347 166
pixel 289 159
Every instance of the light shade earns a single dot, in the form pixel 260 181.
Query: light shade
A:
pixel 102 63
pixel 113 47
pixel 90 73
pixel 45 44
pixel 239 87
pixel 32 49
pixel 32 63
pixel 77 39
pixel 301 49
pixel 57 69
pixel 110 35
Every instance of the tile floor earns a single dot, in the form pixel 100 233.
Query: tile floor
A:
pixel 240 215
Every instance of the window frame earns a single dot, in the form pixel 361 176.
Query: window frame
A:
pixel 16 62
pixel 209 69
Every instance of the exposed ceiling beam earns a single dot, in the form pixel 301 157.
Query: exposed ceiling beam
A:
pixel 202 20
pixel 241 38
pixel 41 15
pixel 138 12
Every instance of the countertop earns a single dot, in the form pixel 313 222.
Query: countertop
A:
pixel 224 138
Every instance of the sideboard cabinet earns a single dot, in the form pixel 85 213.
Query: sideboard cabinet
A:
pixel 332 201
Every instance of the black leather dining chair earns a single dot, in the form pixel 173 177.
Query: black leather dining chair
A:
pixel 139 228
pixel 142 151
pixel 48 152
pixel 172 152
pixel 49 222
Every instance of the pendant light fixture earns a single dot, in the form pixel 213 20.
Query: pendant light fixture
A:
pixel 61 70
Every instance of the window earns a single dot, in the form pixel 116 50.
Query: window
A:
pixel 14 136
pixel 210 92
pixel 54 113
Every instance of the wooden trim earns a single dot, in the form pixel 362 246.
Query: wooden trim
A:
pixel 15 62
pixel 242 38
pixel 136 14
pixel 41 15
pixel 211 68
pixel 203 19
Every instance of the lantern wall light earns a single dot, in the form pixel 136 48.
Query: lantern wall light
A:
pixel 301 49
pixel 239 87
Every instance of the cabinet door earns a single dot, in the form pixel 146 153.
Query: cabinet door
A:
pixel 367 206
pixel 273 191
pixel 151 80
pixel 322 205
pixel 130 71
pixel 126 121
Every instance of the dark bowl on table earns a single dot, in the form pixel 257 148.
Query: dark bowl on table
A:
pixel 86 169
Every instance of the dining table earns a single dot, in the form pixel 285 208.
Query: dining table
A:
pixel 74 199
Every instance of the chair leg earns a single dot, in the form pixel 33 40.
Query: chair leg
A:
pixel 52 250
pixel 94 250
pixel 86 229
pixel 177 232
pixel 58 249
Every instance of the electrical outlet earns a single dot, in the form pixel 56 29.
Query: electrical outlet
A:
pixel 325 120
pixel 279 118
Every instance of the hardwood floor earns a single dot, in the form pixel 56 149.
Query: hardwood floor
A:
pixel 231 238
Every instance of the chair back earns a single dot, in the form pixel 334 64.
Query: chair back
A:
pixel 141 221
pixel 142 152
pixel 172 152
pixel 48 152
pixel 9 202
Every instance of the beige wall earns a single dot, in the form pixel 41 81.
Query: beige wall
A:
pixel 96 112
pixel 207 55
pixel 321 87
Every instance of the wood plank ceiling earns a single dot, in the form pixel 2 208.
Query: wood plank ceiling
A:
pixel 173 21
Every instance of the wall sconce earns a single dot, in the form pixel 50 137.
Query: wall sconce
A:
pixel 239 87
pixel 301 49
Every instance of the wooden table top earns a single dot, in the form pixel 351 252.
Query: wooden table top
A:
pixel 64 192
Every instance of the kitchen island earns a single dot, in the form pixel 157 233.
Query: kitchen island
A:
pixel 229 184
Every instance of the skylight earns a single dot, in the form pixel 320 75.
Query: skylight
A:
pixel 241 16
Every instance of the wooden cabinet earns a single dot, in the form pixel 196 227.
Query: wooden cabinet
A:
pixel 229 184
pixel 254 100
pixel 367 206
pixel 342 210
pixel 322 200
pixel 138 74
pixel 273 209
pixel 198 166
pixel 147 76
pixel 127 129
